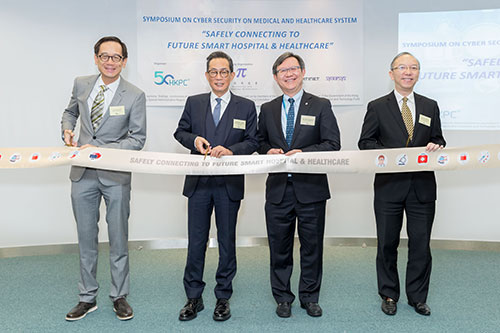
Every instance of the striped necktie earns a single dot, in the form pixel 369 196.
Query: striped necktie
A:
pixel 289 122
pixel 407 118
pixel 98 108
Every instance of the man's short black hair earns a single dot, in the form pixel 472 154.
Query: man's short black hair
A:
pixel 220 54
pixel 97 45
pixel 285 56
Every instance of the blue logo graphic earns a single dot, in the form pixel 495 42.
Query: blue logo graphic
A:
pixel 241 72
pixel 169 80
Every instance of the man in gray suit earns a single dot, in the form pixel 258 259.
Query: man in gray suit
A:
pixel 112 114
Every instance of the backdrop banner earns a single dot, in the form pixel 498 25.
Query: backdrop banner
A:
pixel 367 161
pixel 174 39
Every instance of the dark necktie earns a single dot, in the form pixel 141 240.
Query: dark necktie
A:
pixel 290 122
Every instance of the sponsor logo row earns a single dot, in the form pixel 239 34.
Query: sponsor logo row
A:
pixel 36 157
pixel 442 159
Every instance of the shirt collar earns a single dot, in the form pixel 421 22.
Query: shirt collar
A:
pixel 399 97
pixel 112 86
pixel 297 96
pixel 225 98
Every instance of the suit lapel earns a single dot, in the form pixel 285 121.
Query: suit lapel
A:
pixel 88 85
pixel 115 101
pixel 303 110
pixel 276 109
pixel 228 116
pixel 205 108
pixel 396 113
pixel 418 111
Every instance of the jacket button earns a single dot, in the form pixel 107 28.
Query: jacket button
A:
pixel 94 137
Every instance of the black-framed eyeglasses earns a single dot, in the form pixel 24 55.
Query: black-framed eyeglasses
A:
pixel 105 57
pixel 403 68
pixel 223 73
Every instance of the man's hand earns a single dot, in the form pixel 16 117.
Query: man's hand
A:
pixel 202 145
pixel 433 147
pixel 68 138
pixel 86 146
pixel 220 151
pixel 293 151
pixel 274 151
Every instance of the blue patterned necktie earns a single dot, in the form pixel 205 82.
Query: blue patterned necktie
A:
pixel 216 114
pixel 290 122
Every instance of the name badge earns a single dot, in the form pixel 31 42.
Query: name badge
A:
pixel 239 124
pixel 117 110
pixel 424 120
pixel 308 120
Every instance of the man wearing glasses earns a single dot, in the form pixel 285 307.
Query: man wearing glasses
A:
pixel 112 114
pixel 217 124
pixel 403 119
pixel 292 123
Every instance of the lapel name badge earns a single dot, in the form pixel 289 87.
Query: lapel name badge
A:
pixel 308 120
pixel 117 110
pixel 424 120
pixel 239 124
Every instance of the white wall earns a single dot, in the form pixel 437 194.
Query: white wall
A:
pixel 45 44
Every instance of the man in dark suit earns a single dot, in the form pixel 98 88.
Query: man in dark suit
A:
pixel 296 122
pixel 218 124
pixel 112 114
pixel 403 119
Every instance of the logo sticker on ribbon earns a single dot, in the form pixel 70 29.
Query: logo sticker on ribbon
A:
pixel 95 155
pixel 15 158
pixel 443 159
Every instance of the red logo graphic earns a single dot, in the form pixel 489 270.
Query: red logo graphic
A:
pixel 35 157
pixel 463 157
pixel 422 159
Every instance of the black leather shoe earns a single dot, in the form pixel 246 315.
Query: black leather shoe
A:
pixel 421 308
pixel 123 309
pixel 389 306
pixel 312 308
pixel 81 310
pixel 284 310
pixel 222 311
pixel 191 309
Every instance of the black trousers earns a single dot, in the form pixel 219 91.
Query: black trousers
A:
pixel 208 195
pixel 419 219
pixel 280 220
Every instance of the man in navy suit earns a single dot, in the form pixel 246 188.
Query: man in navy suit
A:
pixel 403 119
pixel 218 123
pixel 296 122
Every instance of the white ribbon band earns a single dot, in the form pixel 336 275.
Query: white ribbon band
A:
pixel 368 161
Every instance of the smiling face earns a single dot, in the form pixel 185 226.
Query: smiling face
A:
pixel 219 83
pixel 290 76
pixel 403 76
pixel 110 71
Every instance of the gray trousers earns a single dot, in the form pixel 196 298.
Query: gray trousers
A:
pixel 86 197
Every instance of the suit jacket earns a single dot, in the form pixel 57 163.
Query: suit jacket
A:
pixel 383 127
pixel 239 141
pixel 324 135
pixel 127 131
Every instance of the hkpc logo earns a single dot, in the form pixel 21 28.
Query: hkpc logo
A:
pixel 169 80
